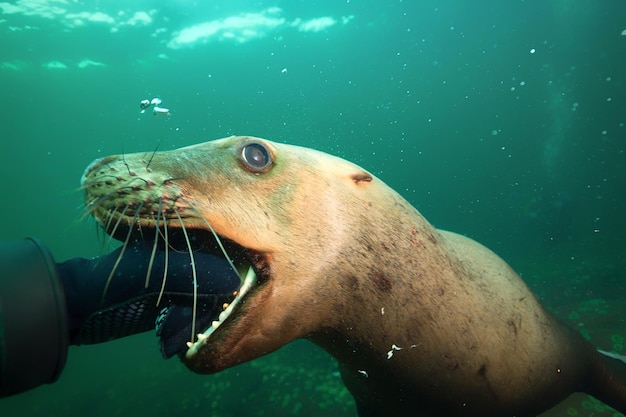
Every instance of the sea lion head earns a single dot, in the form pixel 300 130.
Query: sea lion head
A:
pixel 288 212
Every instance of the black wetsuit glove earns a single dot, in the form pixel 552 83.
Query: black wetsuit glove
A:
pixel 127 306
pixel 44 306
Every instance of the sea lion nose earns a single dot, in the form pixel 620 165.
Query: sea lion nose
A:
pixel 94 166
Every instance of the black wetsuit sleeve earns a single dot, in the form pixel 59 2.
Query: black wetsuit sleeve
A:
pixel 33 324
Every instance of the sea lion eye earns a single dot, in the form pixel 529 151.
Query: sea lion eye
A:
pixel 256 157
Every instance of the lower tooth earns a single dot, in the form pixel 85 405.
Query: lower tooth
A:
pixel 215 324
pixel 222 316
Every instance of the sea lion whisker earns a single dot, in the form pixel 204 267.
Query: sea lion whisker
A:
pixel 163 235
pixel 107 226
pixel 139 227
pixel 101 236
pixel 119 258
pixel 216 236
pixel 153 153
pixel 171 179
pixel 106 240
pixel 123 155
pixel 167 260
pixel 111 215
pixel 88 209
pixel 93 204
pixel 154 244
pixel 117 224
pixel 195 278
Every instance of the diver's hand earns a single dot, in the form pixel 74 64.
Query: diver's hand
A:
pixel 104 306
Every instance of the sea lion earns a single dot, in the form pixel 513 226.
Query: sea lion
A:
pixel 423 322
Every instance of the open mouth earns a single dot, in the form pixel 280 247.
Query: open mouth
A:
pixel 186 323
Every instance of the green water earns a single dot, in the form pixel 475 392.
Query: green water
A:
pixel 504 121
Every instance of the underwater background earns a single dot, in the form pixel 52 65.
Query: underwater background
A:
pixel 501 120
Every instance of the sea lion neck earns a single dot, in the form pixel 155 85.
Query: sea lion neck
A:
pixel 373 269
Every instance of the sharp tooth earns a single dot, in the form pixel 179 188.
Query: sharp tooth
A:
pixel 248 282
pixel 222 316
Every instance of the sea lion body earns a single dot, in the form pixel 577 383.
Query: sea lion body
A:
pixel 423 322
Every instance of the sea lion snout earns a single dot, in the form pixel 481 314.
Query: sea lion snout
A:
pixel 94 166
pixel 124 187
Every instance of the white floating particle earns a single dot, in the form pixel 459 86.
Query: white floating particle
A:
pixel 393 347
pixel 161 111
pixel 532 51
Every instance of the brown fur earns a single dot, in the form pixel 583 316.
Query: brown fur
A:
pixel 423 322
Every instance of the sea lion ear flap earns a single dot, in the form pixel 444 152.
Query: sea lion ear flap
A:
pixel 360 178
